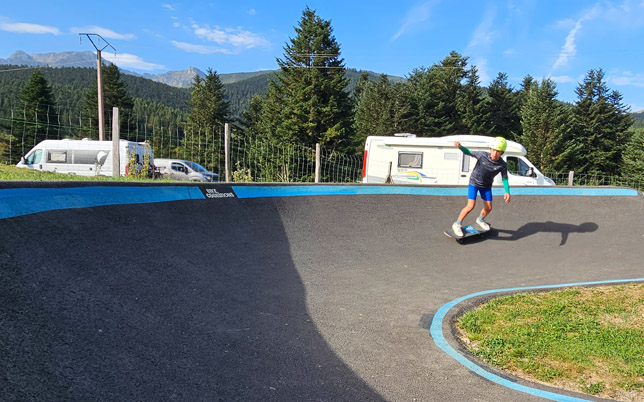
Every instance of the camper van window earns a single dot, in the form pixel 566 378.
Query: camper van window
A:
pixel 517 167
pixel 34 157
pixel 466 163
pixel 85 157
pixel 57 156
pixel 410 160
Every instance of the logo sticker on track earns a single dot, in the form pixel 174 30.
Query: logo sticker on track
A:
pixel 218 192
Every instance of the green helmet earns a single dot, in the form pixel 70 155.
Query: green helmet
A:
pixel 500 144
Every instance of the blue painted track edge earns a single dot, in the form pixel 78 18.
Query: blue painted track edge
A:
pixel 436 331
pixel 317 190
pixel 25 201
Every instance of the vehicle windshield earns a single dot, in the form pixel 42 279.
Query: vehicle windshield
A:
pixel 34 157
pixel 196 167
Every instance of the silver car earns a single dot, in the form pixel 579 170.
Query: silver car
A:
pixel 179 169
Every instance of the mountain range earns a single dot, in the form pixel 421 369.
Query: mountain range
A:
pixel 179 79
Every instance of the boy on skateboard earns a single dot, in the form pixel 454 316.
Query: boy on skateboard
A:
pixel 488 166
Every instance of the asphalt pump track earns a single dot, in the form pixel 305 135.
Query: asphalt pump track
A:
pixel 279 293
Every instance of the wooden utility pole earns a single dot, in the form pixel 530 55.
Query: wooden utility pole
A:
pixel 99 78
pixel 116 137
pixel 99 89
pixel 227 151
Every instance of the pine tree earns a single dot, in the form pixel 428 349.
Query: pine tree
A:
pixel 115 94
pixel 208 113
pixel 542 117
pixel 251 118
pixel 208 104
pixel 307 101
pixel 374 110
pixel 38 112
pixel 471 104
pixel 598 128
pixel 633 159
pixel 435 94
pixel 503 109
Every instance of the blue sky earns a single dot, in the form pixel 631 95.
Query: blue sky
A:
pixel 561 39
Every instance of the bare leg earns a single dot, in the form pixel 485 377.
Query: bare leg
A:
pixel 468 208
pixel 487 208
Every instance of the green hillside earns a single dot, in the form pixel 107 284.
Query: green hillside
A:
pixel 638 119
pixel 70 83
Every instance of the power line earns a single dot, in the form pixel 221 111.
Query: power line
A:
pixel 99 85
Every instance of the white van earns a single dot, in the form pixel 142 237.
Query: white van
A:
pixel 179 169
pixel 87 157
pixel 406 159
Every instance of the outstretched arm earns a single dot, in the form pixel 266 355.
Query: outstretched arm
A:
pixel 458 145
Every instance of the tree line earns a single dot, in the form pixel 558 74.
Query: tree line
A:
pixel 313 98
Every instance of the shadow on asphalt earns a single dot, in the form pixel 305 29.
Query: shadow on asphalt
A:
pixel 529 229
pixel 170 301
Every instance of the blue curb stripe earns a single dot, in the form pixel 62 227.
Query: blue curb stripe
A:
pixel 312 190
pixel 24 201
pixel 436 332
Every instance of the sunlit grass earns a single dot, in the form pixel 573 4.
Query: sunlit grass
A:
pixel 12 173
pixel 583 339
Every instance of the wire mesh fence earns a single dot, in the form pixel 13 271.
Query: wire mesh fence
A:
pixel 252 159
pixel 583 179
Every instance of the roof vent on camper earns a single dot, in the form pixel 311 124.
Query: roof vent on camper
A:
pixel 408 135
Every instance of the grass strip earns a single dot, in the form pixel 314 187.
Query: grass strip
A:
pixel 12 173
pixel 582 339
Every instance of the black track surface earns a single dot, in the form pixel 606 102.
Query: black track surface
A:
pixel 278 299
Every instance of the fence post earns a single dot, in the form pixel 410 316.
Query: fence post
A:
pixel 571 178
pixel 227 150
pixel 317 162
pixel 116 134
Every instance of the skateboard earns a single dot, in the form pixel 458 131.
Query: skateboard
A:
pixel 468 231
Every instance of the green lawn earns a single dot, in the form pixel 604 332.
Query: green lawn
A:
pixel 583 339
pixel 12 173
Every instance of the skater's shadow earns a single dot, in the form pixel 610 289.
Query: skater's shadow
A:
pixel 549 227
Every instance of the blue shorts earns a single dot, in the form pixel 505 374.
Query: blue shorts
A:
pixel 486 193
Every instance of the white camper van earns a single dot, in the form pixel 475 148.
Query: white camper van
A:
pixel 406 159
pixel 87 157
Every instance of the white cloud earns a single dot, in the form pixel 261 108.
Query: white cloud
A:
pixel 236 37
pixel 130 61
pixel 168 6
pixel 24 27
pixel 201 49
pixel 569 49
pixel 252 11
pixel 414 17
pixel 627 78
pixel 104 32
pixel 562 79
pixel 484 33
pixel 483 70
pixel 176 24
